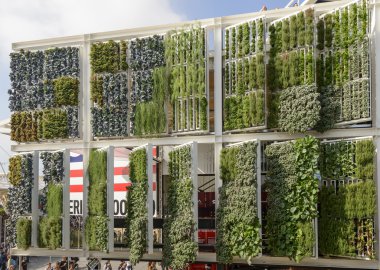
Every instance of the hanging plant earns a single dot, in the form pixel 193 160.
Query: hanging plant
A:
pixel 178 232
pixel 237 222
pixel 137 214
pixel 24 231
pixel 292 196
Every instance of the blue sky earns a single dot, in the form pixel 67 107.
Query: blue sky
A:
pixel 37 19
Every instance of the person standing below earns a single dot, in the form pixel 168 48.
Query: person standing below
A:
pixel 49 267
pixel 129 265
pixel 10 262
pixel 57 266
pixel 63 265
pixel 121 265
pixel 107 265
pixel 24 264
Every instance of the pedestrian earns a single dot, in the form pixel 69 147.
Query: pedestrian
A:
pixel 24 264
pixel 107 265
pixel 63 265
pixel 49 267
pixel 129 265
pixel 71 265
pixel 57 266
pixel 121 265
pixel 10 262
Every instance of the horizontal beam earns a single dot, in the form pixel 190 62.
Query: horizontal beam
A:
pixel 206 139
pixel 204 257
pixel 159 29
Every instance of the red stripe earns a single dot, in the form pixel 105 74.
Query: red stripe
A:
pixel 117 187
pixel 76 173
pixel 121 171
pixel 117 171
pixel 76 188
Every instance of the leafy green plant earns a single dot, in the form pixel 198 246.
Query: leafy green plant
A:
pixel 66 91
pixel 137 215
pixel 24 232
pixel 292 197
pixel 14 169
pixel 237 222
pixel 54 124
pixel 54 200
pixel 96 232
pixel 309 31
pixel 178 232
pixel 104 57
pixel 50 232
pixel 299 108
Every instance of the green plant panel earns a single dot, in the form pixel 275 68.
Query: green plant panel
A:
pixel 14 170
pixel 237 221
pixel 292 189
pixel 104 57
pixel 24 232
pixel 54 200
pixel 178 233
pixel 50 232
pixel 66 91
pixel 54 124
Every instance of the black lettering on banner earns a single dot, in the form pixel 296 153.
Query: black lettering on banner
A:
pixel 115 208
pixel 76 207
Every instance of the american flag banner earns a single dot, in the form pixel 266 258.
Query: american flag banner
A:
pixel 121 181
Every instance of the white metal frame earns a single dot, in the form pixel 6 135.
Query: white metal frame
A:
pixel 217 138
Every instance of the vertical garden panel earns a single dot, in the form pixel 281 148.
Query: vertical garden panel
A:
pixel 44 94
pixel 180 224
pixel 347 198
pixel 149 86
pixel 96 227
pixel 245 76
pixel 292 188
pixel 294 100
pixel 51 222
pixel 238 216
pixel 109 89
pixel 19 204
pixel 185 53
pixel 140 203
pixel 343 39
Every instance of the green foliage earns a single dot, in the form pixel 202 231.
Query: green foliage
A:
pixel 97 170
pixel 364 157
pixel 292 197
pixel 54 200
pixel 178 232
pixel 66 91
pixel 137 215
pixel 104 57
pixel 330 109
pixel 54 124
pixel 50 232
pixel 299 108
pixel 96 227
pixel 320 35
pixel 246 39
pixel 260 35
pixel 24 232
pixel 301 28
pixel 227 44
pixel 26 126
pixel 285 35
pixel 309 32
pixel 96 232
pixel 97 89
pixel 293 32
pixel 14 170
pixel 237 222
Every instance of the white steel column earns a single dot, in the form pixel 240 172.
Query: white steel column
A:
pixel 194 178
pixel 218 102
pixel 149 202
pixel 110 197
pixel 66 200
pixel 258 188
pixel 375 80
pixel 86 124
pixel 35 210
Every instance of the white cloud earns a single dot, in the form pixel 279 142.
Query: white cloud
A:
pixel 22 20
